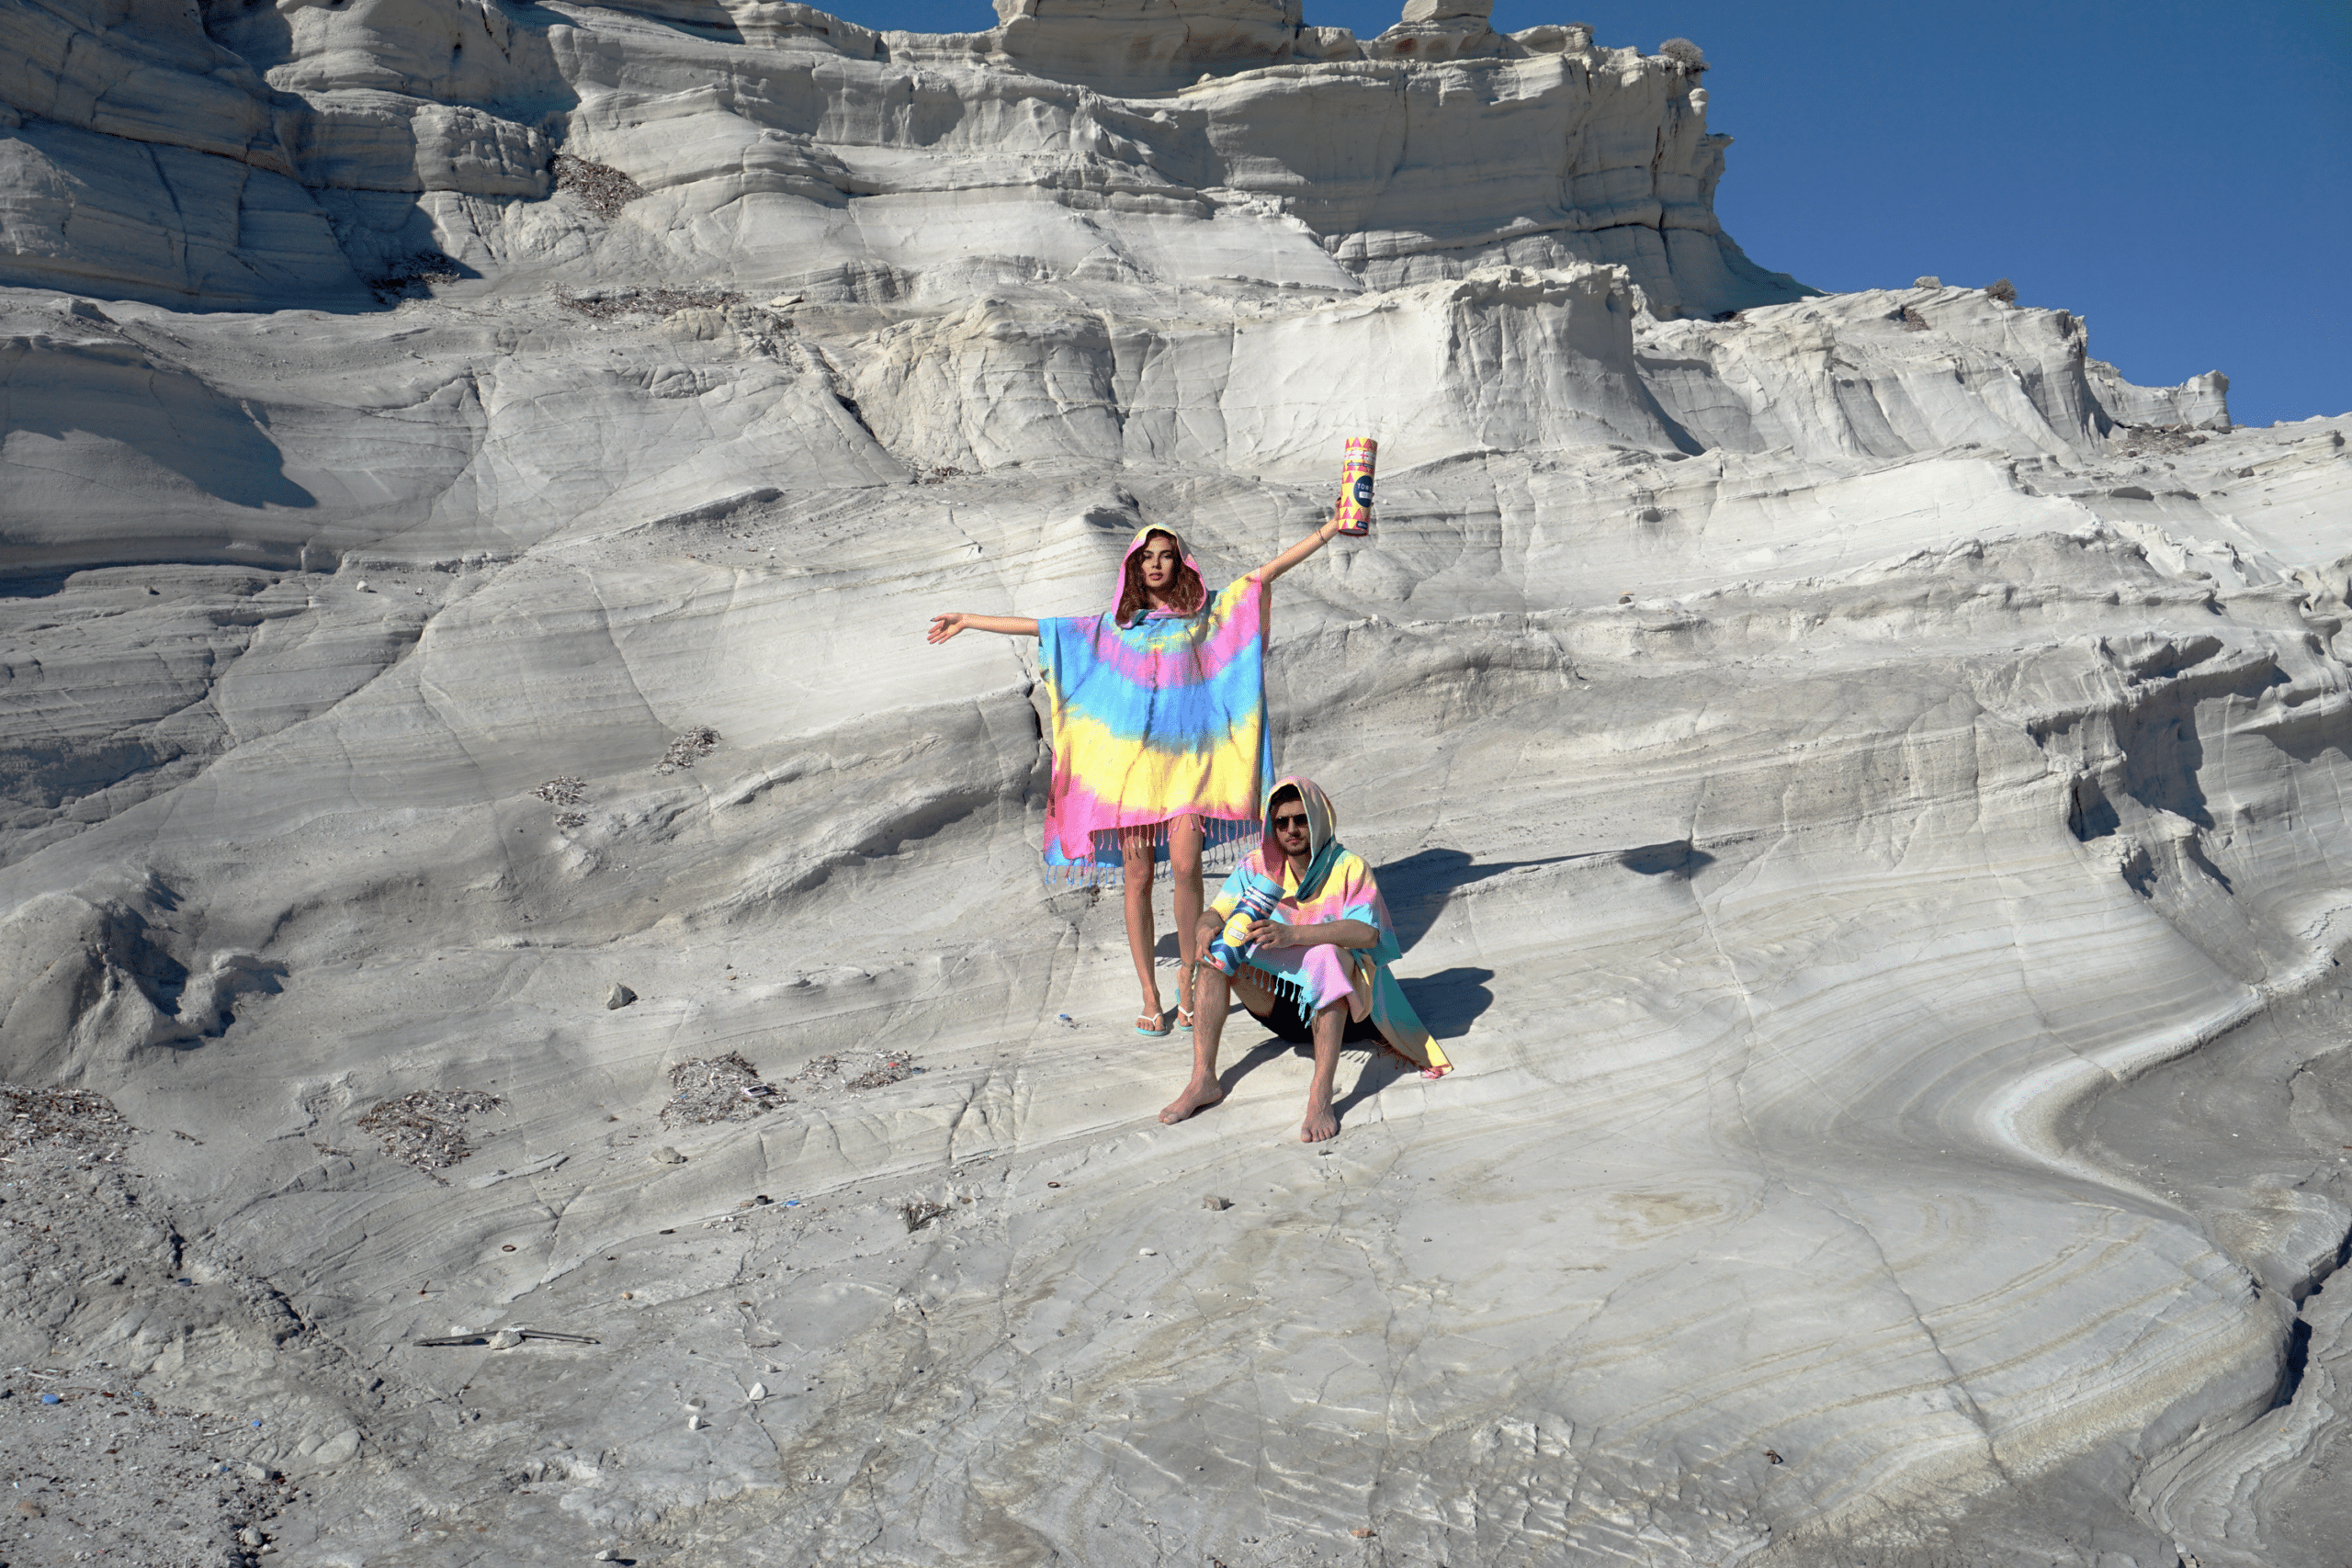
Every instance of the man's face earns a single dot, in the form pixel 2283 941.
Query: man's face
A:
pixel 1158 564
pixel 1290 827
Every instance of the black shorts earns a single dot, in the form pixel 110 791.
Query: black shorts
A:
pixel 1289 1020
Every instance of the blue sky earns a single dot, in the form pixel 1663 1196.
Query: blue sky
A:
pixel 2179 175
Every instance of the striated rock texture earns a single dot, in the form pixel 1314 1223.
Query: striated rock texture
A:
pixel 288 152
pixel 1862 785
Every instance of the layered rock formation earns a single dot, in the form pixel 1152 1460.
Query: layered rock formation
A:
pixel 1861 782
pixel 298 152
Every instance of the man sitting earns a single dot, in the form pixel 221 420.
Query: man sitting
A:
pixel 1301 935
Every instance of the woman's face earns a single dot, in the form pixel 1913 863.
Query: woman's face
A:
pixel 1159 562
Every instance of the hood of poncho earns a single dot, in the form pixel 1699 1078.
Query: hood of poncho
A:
pixel 1119 582
pixel 1323 845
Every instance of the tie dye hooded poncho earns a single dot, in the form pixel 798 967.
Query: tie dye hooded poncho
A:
pixel 1161 718
pixel 1337 887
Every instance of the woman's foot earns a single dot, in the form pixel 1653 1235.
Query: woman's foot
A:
pixel 1199 1095
pixel 1153 1022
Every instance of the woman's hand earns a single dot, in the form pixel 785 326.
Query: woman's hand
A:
pixel 948 626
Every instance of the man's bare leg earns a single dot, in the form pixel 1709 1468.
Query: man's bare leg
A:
pixel 1320 1123
pixel 1136 850
pixel 1211 1001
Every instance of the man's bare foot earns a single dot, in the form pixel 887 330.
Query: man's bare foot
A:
pixel 1199 1095
pixel 1319 1125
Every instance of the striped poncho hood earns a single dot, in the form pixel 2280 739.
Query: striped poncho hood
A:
pixel 1337 886
pixel 1161 718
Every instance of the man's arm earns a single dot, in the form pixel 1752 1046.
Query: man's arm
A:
pixel 1332 933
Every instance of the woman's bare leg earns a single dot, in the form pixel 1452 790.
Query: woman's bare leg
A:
pixel 1137 848
pixel 1185 872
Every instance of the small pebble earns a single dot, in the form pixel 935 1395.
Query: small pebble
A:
pixel 758 1391
pixel 693 1423
pixel 667 1156
pixel 51 1399
pixel 1362 1533
pixel 620 996
pixel 1216 1203
pixel 1149 1252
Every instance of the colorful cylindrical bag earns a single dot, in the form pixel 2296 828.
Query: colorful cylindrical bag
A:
pixel 1230 946
pixel 1355 486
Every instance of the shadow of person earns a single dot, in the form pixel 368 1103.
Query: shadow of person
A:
pixel 1417 887
pixel 1384 1068
pixel 1230 1076
pixel 1451 1000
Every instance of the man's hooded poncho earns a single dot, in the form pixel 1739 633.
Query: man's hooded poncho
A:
pixel 1338 886
pixel 1161 718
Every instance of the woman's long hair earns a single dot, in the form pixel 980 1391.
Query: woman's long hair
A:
pixel 1186 592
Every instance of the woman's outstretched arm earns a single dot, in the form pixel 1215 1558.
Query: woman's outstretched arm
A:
pixel 1301 550
pixel 948 626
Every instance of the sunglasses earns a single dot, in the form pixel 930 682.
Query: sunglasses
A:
pixel 1289 824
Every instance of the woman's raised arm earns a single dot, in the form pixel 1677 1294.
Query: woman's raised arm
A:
pixel 948 626
pixel 1301 550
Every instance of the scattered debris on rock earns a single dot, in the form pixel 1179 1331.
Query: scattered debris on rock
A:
pixel 920 1213
pixel 688 749
pixel 2142 440
pixel 76 1122
pixel 109 1475
pixel 565 793
pixel 718 1088
pixel 611 305
pixel 871 1069
pixel 413 278
pixel 425 1128
pixel 601 189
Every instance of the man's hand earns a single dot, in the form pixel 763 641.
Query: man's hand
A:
pixel 1272 933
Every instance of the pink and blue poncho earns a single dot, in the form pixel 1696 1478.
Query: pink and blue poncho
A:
pixel 1337 886
pixel 1158 719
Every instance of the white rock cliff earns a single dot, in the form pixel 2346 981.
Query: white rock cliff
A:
pixel 1863 784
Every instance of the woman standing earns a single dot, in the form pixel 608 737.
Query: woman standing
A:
pixel 1161 748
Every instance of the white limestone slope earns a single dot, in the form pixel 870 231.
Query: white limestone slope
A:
pixel 1863 787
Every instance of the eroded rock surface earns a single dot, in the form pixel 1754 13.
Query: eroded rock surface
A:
pixel 1862 783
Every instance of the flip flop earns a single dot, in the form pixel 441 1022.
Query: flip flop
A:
pixel 1184 995
pixel 1157 1018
